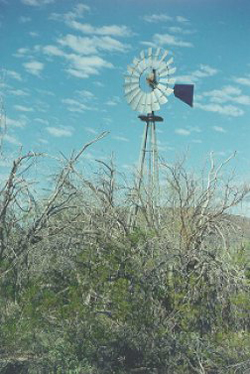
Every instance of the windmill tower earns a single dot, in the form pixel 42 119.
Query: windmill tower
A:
pixel 148 83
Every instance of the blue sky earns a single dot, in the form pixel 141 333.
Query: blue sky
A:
pixel 62 72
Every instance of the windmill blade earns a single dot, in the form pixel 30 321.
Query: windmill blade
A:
pixel 165 80
pixel 160 96
pixel 155 102
pixel 165 72
pixel 142 54
pixel 172 81
pixel 130 79
pixel 141 104
pixel 165 53
pixel 136 100
pixel 172 71
pixel 184 92
pixel 143 60
pixel 157 52
pixel 130 95
pixel 167 91
pixel 148 103
pixel 169 62
pixel 130 87
pixel 136 61
pixel 133 71
pixel 162 67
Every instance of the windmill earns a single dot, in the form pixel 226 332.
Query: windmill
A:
pixel 148 83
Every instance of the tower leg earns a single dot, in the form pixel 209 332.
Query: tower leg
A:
pixel 147 186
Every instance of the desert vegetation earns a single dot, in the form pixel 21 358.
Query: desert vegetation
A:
pixel 84 291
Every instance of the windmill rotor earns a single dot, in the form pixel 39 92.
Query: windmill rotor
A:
pixel 149 81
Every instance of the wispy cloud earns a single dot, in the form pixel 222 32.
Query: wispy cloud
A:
pixel 152 18
pixel 11 139
pixel 37 2
pixel 219 129
pixel 13 74
pixel 83 67
pixel 110 30
pixel 91 45
pixel 42 121
pixel 228 94
pixel 85 61
pixel 180 30
pixel 120 138
pixel 229 110
pixel 23 108
pixel 204 71
pixel 18 92
pixel 60 131
pixel 90 130
pixel 10 122
pixel 75 105
pixel 181 19
pixel 78 11
pixel 182 132
pixel 34 34
pixel 245 81
pixel 168 39
pixel 113 101
pixel 34 67
pixel 24 19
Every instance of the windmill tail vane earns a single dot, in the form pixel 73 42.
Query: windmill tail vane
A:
pixel 148 84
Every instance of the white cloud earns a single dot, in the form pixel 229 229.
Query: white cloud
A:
pixel 18 92
pixel 33 34
pixel 52 50
pixel 15 123
pixel 78 12
pixel 111 30
pixel 90 130
pixel 75 105
pixel 22 51
pixel 227 94
pixel 91 45
pixel 219 129
pixel 113 101
pixel 11 139
pixel 182 132
pixel 181 19
pixel 168 39
pixel 85 95
pixel 24 19
pixel 13 74
pixel 22 108
pixel 37 2
pixel 194 129
pixel 180 30
pixel 34 67
pixel 245 81
pixel 157 18
pixel 120 138
pixel 229 110
pixel 83 67
pixel 42 121
pixel 60 131
pixel 204 71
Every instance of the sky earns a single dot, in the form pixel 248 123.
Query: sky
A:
pixel 62 66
